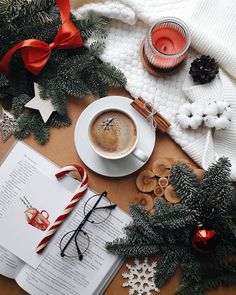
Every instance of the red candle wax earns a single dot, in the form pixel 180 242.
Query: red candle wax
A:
pixel 168 40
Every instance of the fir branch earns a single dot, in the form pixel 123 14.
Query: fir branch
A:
pixel 96 48
pixel 20 81
pixel 223 277
pixel 58 98
pixel 92 25
pixel 226 247
pixel 111 75
pixel 135 234
pixel 216 176
pixel 74 71
pixel 75 87
pixel 58 120
pixel 18 104
pixel 18 13
pixel 3 81
pixel 185 182
pixel 190 274
pixel 41 134
pixel 142 218
pixel 23 128
pixel 120 247
pixel 39 129
pixel 6 101
pixel 165 268
pixel 94 83
pixel 31 122
pixel 216 187
pixel 181 215
pixel 170 230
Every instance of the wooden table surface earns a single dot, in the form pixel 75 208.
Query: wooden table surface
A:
pixel 61 150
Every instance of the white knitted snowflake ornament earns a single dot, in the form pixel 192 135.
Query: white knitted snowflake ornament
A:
pixel 140 277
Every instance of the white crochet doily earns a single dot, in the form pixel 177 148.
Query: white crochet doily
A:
pixel 140 277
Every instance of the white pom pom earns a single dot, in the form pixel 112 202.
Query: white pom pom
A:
pixel 222 105
pixel 210 121
pixel 186 109
pixel 228 113
pixel 211 109
pixel 183 121
pixel 222 123
pixel 197 109
pixel 218 114
pixel 190 115
pixel 195 121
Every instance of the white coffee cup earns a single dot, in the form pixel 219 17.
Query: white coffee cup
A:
pixel 138 153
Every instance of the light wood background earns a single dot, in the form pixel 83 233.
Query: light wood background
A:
pixel 61 150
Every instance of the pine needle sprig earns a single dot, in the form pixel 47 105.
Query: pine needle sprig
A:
pixel 170 231
pixel 75 72
pixel 18 104
pixel 31 122
pixel 92 25
pixel 165 268
pixel 111 75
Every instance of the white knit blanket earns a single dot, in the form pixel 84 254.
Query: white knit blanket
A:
pixel 212 28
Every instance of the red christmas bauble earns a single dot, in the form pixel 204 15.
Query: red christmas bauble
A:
pixel 202 240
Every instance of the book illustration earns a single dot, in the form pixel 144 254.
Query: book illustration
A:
pixel 53 275
pixel 37 219
pixel 34 217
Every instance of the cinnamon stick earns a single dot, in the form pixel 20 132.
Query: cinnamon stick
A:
pixel 161 123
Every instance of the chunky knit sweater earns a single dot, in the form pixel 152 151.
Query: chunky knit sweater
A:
pixel 212 25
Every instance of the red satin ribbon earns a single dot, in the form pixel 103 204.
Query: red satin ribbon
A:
pixel 202 236
pixel 36 53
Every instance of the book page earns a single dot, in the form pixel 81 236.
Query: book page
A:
pixel 10 265
pixel 16 169
pixel 34 209
pixel 69 276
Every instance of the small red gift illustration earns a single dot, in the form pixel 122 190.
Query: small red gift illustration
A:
pixel 37 219
pixel 34 217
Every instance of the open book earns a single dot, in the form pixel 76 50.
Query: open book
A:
pixel 56 274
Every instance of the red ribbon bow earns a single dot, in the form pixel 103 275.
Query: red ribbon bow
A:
pixel 36 53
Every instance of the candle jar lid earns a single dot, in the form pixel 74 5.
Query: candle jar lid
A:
pixel 167 43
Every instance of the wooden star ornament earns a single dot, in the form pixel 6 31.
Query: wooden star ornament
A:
pixel 7 125
pixel 45 107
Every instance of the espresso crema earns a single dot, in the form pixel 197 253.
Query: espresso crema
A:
pixel 113 133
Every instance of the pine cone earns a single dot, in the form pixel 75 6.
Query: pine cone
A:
pixel 203 69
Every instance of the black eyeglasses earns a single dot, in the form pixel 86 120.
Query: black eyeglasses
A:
pixel 76 242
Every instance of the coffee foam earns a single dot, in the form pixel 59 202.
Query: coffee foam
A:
pixel 118 138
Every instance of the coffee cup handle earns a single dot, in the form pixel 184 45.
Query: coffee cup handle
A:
pixel 139 154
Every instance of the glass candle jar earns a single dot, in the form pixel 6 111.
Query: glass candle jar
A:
pixel 167 43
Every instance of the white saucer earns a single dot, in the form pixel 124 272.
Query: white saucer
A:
pixel 112 168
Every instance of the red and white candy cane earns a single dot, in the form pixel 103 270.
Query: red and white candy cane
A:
pixel 83 186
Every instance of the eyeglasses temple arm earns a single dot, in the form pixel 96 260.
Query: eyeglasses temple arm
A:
pixel 77 247
pixel 67 244
pixel 107 207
